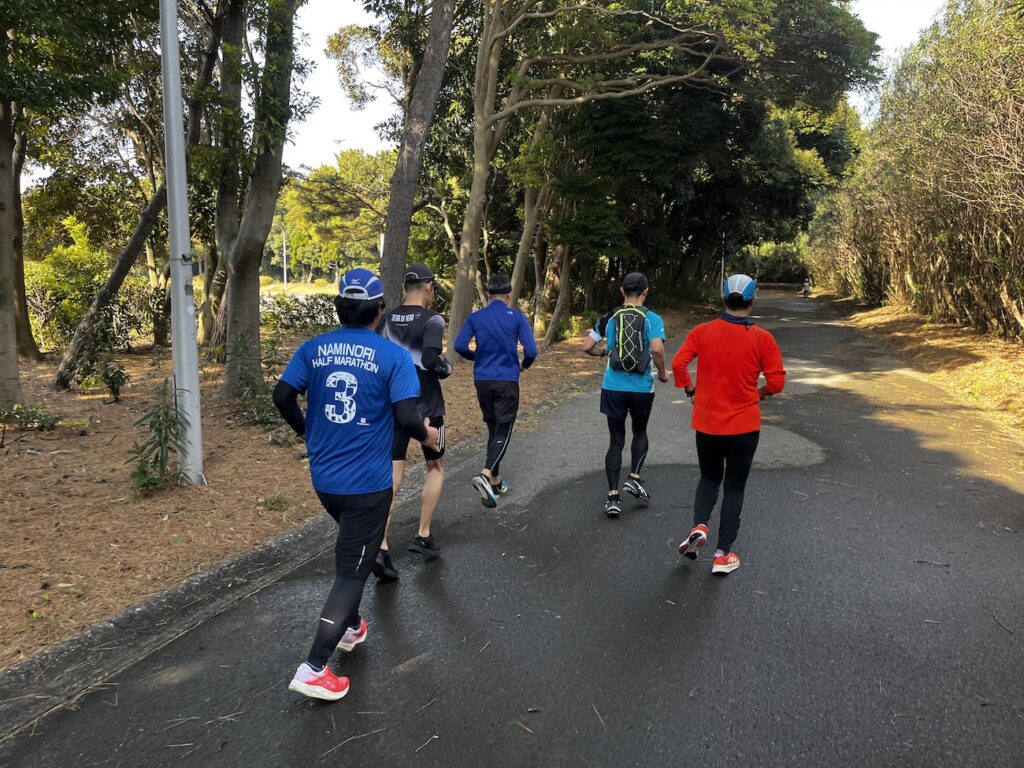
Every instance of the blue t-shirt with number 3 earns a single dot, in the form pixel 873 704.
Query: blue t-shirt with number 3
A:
pixel 351 378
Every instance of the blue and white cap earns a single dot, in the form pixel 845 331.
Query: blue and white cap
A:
pixel 360 284
pixel 743 285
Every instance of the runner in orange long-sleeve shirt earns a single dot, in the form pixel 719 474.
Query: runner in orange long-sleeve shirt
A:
pixel 731 353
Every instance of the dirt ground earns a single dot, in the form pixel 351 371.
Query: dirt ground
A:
pixel 79 543
pixel 984 371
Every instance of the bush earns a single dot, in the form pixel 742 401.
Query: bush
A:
pixel 580 324
pixel 60 289
pixel 108 372
pixel 153 456
pixel 321 282
pixel 312 313
pixel 33 417
pixel 266 281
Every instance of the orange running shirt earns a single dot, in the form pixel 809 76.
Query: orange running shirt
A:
pixel 731 355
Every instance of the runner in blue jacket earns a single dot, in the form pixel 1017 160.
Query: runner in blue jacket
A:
pixel 499 330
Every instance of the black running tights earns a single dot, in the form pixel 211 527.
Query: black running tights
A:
pixel 723 458
pixel 499 433
pixel 637 450
pixel 361 519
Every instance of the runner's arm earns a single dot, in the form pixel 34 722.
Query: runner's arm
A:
pixel 774 372
pixel 462 340
pixel 658 357
pixel 408 419
pixel 682 360
pixel 528 342
pixel 593 346
pixel 286 399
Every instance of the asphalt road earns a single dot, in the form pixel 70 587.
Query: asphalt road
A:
pixel 877 619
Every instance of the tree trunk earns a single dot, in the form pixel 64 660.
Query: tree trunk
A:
pixel 484 144
pixel 213 288
pixel 27 346
pixel 564 302
pixel 10 381
pixel 540 260
pixel 273 111
pixel 405 179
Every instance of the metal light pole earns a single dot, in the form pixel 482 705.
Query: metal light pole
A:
pixel 184 353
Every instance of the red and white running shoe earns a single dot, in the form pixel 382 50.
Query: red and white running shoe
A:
pixel 698 538
pixel 726 563
pixel 318 685
pixel 353 637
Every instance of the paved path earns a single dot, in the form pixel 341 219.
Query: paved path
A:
pixel 877 620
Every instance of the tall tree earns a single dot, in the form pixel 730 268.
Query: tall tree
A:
pixel 418 117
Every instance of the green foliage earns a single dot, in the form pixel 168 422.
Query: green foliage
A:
pixel 155 457
pixel 107 372
pixel 60 289
pixel 266 281
pixel 311 313
pixel 257 406
pixel 30 418
pixel 930 217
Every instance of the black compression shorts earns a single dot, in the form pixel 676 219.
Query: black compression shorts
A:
pixel 400 444
pixel 617 405
pixel 499 400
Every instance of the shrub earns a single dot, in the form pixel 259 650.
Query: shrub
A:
pixel 153 456
pixel 255 396
pixel 34 417
pixel 321 282
pixel 266 281
pixel 108 372
pixel 60 289
pixel 312 313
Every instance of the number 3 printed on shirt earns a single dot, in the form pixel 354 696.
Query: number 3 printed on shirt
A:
pixel 345 396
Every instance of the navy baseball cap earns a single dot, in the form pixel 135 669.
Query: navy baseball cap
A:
pixel 740 285
pixel 634 283
pixel 360 284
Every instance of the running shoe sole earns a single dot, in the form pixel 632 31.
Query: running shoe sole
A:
pixel 636 491
pixel 689 547
pixel 724 570
pixel 316 691
pixel 377 569
pixel 487 497
pixel 430 554
pixel 351 644
pixel 613 511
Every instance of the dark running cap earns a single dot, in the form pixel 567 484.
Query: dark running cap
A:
pixel 418 273
pixel 499 285
pixel 634 283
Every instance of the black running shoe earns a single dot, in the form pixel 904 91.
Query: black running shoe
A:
pixel 613 507
pixel 500 488
pixel 382 567
pixel 425 547
pixel 635 488
pixel 487 495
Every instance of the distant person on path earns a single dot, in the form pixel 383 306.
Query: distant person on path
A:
pixel 731 353
pixel 633 339
pixel 499 330
pixel 416 328
pixel 806 290
pixel 357 386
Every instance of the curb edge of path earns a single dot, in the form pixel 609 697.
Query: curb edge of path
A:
pixel 83 661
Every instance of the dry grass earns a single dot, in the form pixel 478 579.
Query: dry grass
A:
pixel 80 544
pixel 984 371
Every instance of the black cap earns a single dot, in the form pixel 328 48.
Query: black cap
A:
pixel 634 283
pixel 418 273
pixel 499 285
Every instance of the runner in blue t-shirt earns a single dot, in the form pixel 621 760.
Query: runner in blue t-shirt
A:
pixel 634 339
pixel 357 386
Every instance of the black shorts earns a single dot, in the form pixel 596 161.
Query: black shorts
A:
pixel 499 400
pixel 617 405
pixel 400 444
